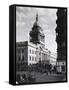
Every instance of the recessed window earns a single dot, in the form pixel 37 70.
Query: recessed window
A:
pixel 22 58
pixel 19 58
pixel 22 50
pixel 30 58
pixel 30 51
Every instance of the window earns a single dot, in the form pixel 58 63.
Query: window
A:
pixel 22 58
pixel 22 50
pixel 30 51
pixel 30 58
pixel 19 51
pixel 19 58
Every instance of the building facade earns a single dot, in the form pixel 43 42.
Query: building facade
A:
pixel 53 57
pixel 61 39
pixel 33 51
pixel 30 53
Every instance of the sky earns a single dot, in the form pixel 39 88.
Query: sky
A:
pixel 25 18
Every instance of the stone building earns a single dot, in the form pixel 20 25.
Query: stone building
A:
pixel 30 53
pixel 33 51
pixel 53 57
pixel 26 52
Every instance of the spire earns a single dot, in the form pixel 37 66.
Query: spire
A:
pixel 36 17
pixel 36 21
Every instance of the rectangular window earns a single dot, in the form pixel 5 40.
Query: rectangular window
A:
pixel 22 50
pixel 30 51
pixel 19 58
pixel 22 58
pixel 30 58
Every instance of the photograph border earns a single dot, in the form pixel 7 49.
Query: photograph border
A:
pixel 35 6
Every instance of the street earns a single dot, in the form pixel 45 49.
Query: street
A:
pixel 43 77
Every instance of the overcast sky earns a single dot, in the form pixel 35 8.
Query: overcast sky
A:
pixel 25 18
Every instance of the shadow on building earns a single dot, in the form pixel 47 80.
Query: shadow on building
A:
pixel 61 39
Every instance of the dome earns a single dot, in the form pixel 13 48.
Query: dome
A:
pixel 36 34
pixel 36 27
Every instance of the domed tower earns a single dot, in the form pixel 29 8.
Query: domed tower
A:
pixel 36 35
